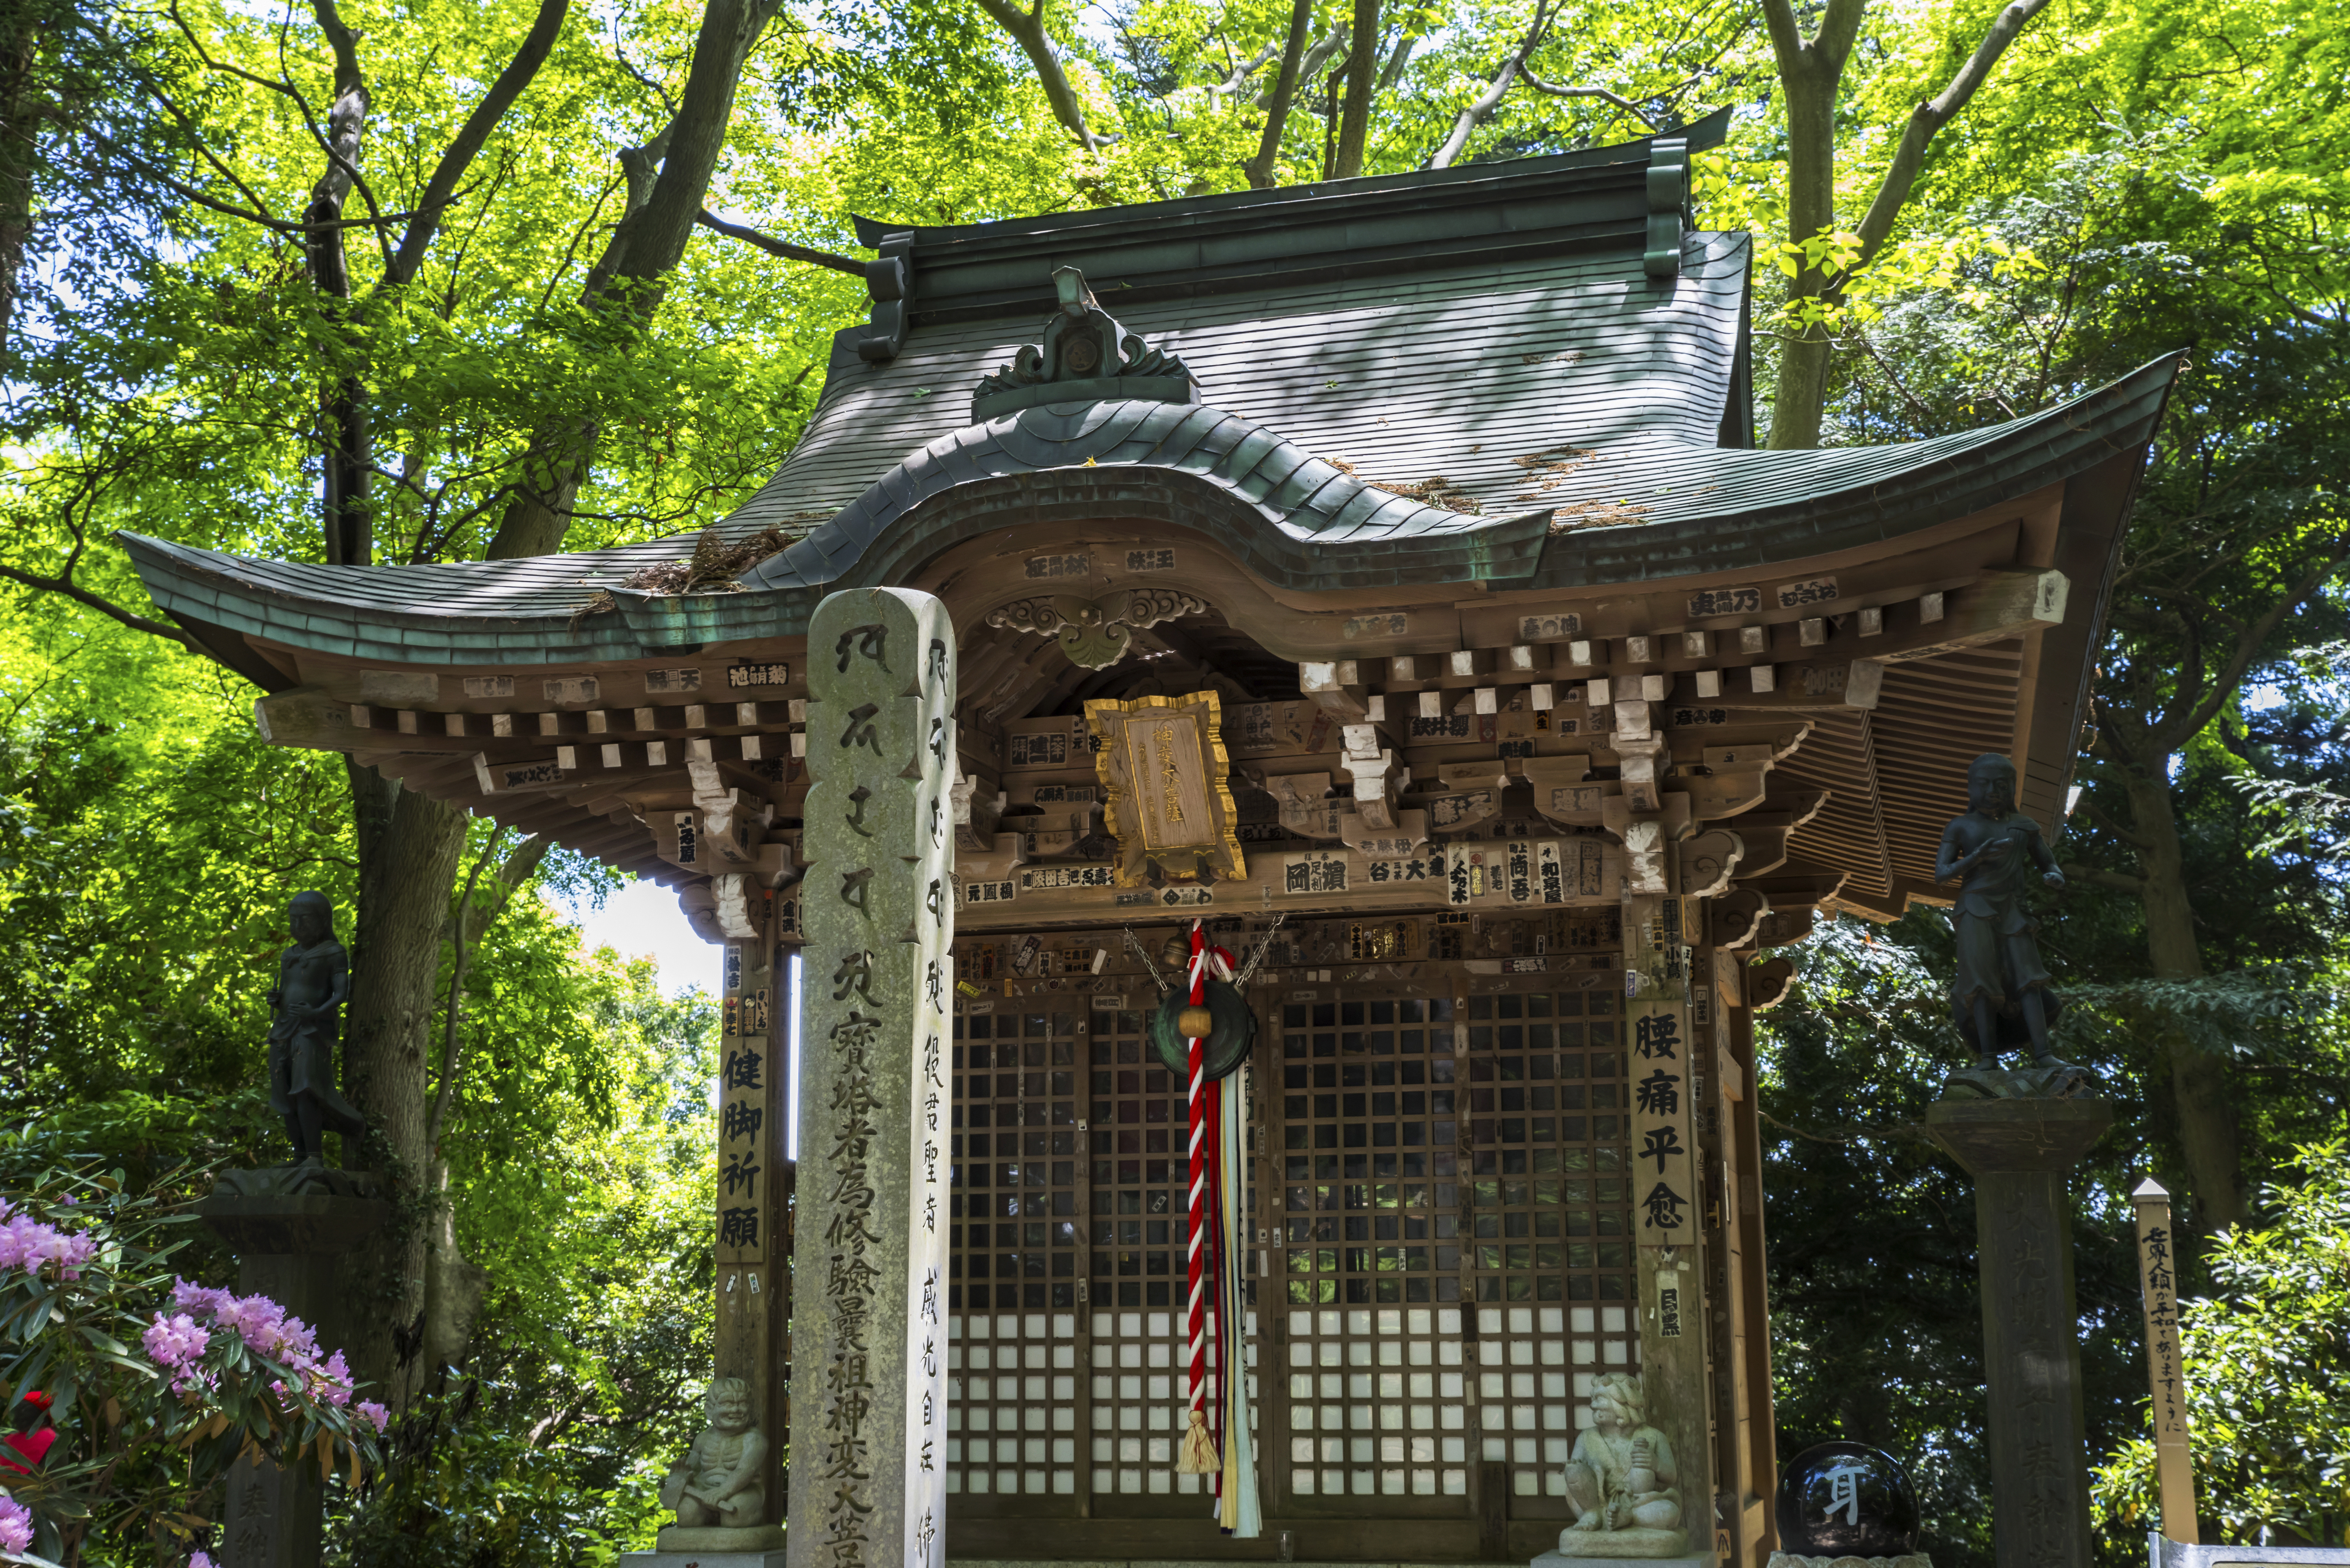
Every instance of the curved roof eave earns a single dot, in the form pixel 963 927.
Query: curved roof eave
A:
pixel 1296 521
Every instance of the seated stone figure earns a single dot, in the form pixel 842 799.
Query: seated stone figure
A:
pixel 1621 1481
pixel 718 1483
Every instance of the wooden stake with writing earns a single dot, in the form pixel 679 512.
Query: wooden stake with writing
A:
pixel 2174 1464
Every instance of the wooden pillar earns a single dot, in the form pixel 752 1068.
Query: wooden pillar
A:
pixel 752 1253
pixel 1664 1059
pixel 1751 1470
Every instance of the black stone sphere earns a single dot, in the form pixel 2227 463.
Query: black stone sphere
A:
pixel 1847 1499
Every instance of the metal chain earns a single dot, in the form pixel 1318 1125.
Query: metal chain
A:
pixel 1263 947
pixel 1156 978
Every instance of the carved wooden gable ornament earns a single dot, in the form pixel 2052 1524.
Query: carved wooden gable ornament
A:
pixel 1162 761
pixel 1096 633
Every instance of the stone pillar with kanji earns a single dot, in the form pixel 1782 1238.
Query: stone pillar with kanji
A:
pixel 877 914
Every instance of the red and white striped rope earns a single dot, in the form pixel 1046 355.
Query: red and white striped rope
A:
pixel 1206 959
pixel 1198 1253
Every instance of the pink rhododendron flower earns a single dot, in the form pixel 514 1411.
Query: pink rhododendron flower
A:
pixel 266 1330
pixel 27 1243
pixel 177 1341
pixel 288 1339
pixel 200 1559
pixel 376 1413
pixel 199 1298
pixel 256 1320
pixel 22 1238
pixel 331 1381
pixel 15 1525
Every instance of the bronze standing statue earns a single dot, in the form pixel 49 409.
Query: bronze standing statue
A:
pixel 314 980
pixel 2000 997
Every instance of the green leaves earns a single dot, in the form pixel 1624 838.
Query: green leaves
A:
pixel 2267 1372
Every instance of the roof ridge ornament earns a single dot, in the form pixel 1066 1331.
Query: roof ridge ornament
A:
pixel 1083 356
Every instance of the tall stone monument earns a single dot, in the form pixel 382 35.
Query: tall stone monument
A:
pixel 877 910
pixel 289 1224
pixel 2019 1134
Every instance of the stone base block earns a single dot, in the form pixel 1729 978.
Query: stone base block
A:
pixel 703 1559
pixel 1797 1560
pixel 1636 1545
pixel 719 1539
pixel 1683 1557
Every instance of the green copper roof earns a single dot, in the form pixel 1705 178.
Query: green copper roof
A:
pixel 1294 520
pixel 1422 378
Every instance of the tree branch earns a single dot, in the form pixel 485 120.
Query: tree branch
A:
pixel 1786 34
pixel 1482 107
pixel 1555 90
pixel 1237 82
pixel 471 926
pixel 1260 169
pixel 644 249
pixel 1393 71
pixel 74 591
pixel 1027 30
pixel 2175 731
pixel 658 234
pixel 784 248
pixel 1930 117
pixel 441 189
pixel 2097 876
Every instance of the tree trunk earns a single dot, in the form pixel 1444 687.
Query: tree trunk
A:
pixel 2198 1079
pixel 1261 169
pixel 409 844
pixel 1362 63
pixel 1809 88
pixel 20 109
pixel 664 208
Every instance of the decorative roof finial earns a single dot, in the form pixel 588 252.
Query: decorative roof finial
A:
pixel 1083 356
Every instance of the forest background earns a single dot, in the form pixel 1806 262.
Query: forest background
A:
pixel 423 280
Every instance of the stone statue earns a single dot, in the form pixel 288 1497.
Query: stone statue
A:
pixel 2000 996
pixel 718 1483
pixel 1621 1481
pixel 314 980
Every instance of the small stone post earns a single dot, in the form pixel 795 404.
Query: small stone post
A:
pixel 877 910
pixel 2020 1152
pixel 286 1245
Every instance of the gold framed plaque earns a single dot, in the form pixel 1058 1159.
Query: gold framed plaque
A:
pixel 1162 765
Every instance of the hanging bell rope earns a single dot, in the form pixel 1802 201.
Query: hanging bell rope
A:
pixel 1199 1454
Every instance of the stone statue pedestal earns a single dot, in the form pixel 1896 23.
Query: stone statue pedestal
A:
pixel 1632 1544
pixel 2020 1152
pixel 287 1227
pixel 718 1539
pixel 1679 1559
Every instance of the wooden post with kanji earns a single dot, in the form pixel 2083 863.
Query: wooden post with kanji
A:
pixel 2174 1462
pixel 752 1253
